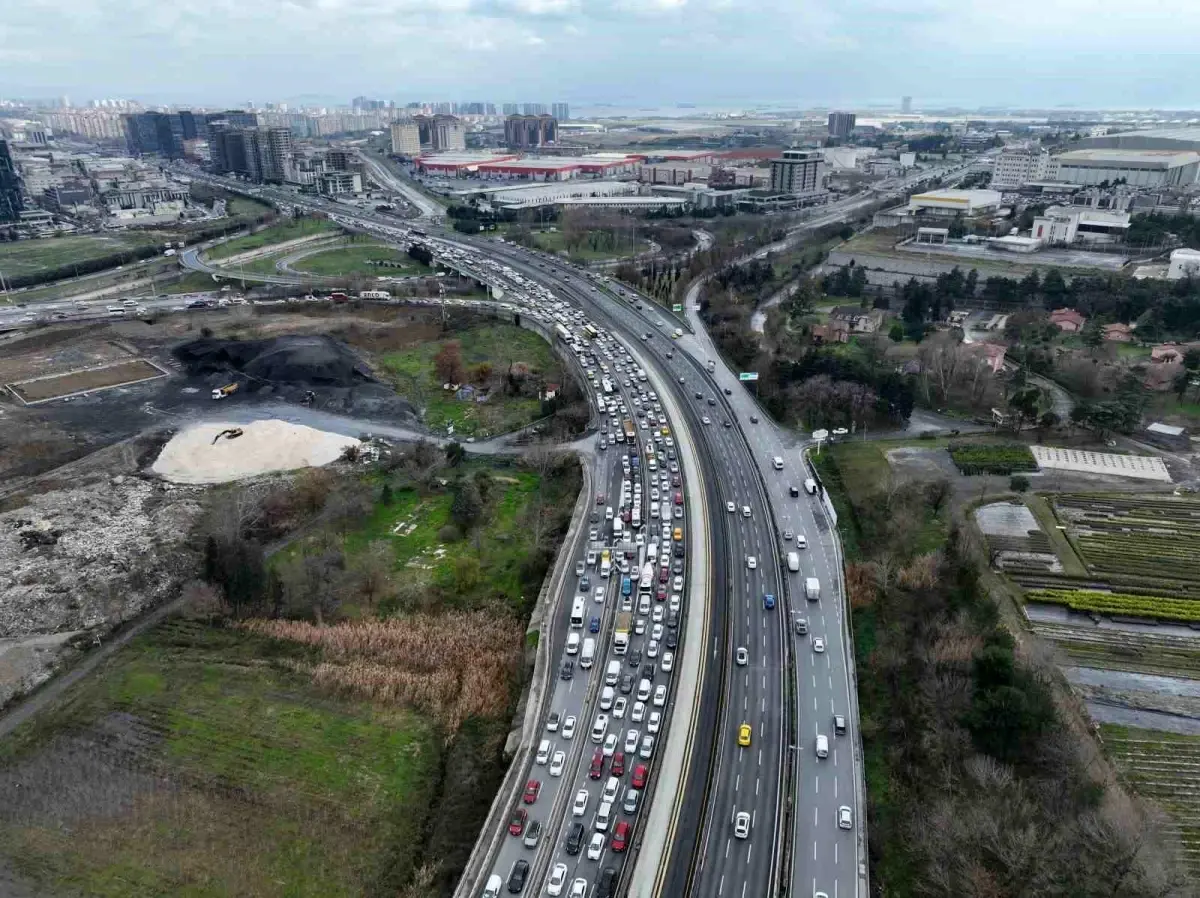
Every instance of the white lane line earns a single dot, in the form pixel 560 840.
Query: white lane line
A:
pixel 817 784
pixel 757 784
pixel 737 783
pixel 814 851
pixel 814 816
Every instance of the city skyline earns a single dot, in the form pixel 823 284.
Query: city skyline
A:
pixel 658 52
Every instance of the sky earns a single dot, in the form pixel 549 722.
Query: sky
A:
pixel 631 53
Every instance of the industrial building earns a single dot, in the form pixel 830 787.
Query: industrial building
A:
pixel 1177 139
pixel 532 196
pixel 1019 166
pixel 1067 225
pixel 798 173
pixel 954 203
pixel 1185 263
pixel 459 164
pixel 1139 168
pixel 533 168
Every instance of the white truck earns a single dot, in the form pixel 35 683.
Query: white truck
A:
pixel 621 628
pixel 812 589
pixel 793 561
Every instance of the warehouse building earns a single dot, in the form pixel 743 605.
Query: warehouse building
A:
pixel 1177 139
pixel 954 203
pixel 1138 168
pixel 459 164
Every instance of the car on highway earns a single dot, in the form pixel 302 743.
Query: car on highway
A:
pixel 517 877
pixel 801 541
pixel 730 507
pixel 596 847
pixel 741 825
pixel 705 420
pixel 743 738
pixel 631 740
pixel 557 880
pixel 533 788
pixel 768 601
pixel 652 649
pixel 557 763
pixel 579 808
pixel 839 725
pixel 801 626
pixel 640 774
pixel 552 721
pixel 533 834
pixel 579 888
pixel 618 763
pixel 751 562
pixel 610 744
pixel 638 712
pixel 567 671
pixel 647 747
pixel 619 706
pixel 844 818
pixel 794 491
pixel 668 662
pixel 788 535
pixel 660 696
pixel 596 770
pixel 818 645
pixel 568 727
pixel 516 822
pixel 741 656
pixel 574 840
pixel 620 837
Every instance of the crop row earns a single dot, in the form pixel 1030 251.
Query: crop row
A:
pixel 1150 586
pixel 1133 605
pixel 992 458
pixel 1149 504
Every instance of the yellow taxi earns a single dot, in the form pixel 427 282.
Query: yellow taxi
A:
pixel 678 534
pixel 666 431
pixel 744 735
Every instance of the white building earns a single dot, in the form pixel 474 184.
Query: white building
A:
pixel 1138 168
pixel 799 173
pixel 954 203
pixel 406 139
pixel 336 183
pixel 1185 263
pixel 1017 167
pixel 1065 225
pixel 908 160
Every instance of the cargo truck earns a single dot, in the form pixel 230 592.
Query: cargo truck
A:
pixel 621 632
pixel 812 589
pixel 222 392
pixel 605 563
pixel 628 429
pixel 793 561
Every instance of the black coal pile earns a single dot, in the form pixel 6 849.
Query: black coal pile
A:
pixel 300 368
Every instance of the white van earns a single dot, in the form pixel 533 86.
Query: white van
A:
pixel 643 692
pixel 608 513
pixel 588 655
pixel 613 673
pixel 493 887
pixel 607 694
pixel 822 746
pixel 573 642
pixel 810 486
pixel 543 752
pixel 603 815
pixel 777 463
pixel 793 561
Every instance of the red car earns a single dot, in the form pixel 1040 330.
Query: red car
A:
pixel 663 575
pixel 516 823
pixel 599 498
pixel 640 772
pixel 620 836
pixel 532 788
pixel 597 769
pixel 618 763
pixel 678 498
pixel 661 595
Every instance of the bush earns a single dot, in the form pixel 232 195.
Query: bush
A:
pixel 449 534
pixel 1018 483
pixel 992 458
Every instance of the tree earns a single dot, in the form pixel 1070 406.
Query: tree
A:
pixel 1054 288
pixel 385 494
pixel 1092 334
pixel 896 332
pixel 372 571
pixel 467 505
pixel 971 284
pixel 448 362
pixel 455 453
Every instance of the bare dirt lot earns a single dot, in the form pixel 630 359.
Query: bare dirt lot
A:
pixel 55 386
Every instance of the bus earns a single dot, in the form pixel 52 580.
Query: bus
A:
pixel 577 612
pixel 374 294
pixel 563 332
pixel 591 331
pixel 647 580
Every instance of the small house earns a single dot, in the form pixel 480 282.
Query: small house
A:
pixel 1118 333
pixel 858 320
pixel 1168 436
pixel 1069 321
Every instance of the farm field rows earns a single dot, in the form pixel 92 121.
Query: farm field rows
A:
pixel 1086 645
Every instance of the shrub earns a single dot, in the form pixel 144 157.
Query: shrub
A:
pixel 992 458
pixel 1018 483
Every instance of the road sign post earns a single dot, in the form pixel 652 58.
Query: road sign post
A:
pixel 748 376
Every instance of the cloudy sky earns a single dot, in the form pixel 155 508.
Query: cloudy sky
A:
pixel 1044 53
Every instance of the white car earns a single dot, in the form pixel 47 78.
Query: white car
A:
pixel 818 645
pixel 599 593
pixel 647 748
pixel 596 847
pixel 801 541
pixel 677 583
pixel 631 741
pixel 742 656
pixel 741 825
pixel 618 708
pixel 610 744
pixel 655 722
pixel 638 713
pixel 660 696
pixel 639 626
pixel 845 820
pixel 751 562
pixel 651 649
pixel 557 763
pixel 658 615
pixel 656 632
pixel 581 802
pixel 611 788
pixel 568 727
pixel 706 420
pixel 675 602
pixel 668 661
pixel 579 888
pixel 558 878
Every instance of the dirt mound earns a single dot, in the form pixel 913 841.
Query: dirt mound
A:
pixel 314 360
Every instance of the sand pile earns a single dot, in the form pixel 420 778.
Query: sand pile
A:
pixel 264 446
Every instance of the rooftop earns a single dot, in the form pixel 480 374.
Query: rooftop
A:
pixel 538 163
pixel 1155 159
pixel 463 158
pixel 965 197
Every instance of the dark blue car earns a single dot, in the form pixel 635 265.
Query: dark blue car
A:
pixel 768 601
pixel 594 626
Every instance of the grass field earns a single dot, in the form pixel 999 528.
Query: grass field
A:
pixel 277 233
pixel 199 763
pixel 191 282
pixel 355 260
pixel 32 256
pixel 499 345
pixel 552 242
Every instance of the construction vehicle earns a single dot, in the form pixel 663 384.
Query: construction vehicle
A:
pixel 222 392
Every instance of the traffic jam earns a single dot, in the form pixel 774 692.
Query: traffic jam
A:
pixel 621 640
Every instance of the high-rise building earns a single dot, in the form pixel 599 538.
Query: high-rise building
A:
pixel 440 133
pixel 406 138
pixel 798 172
pixel 561 111
pixel 841 124
pixel 906 105
pixel 235 118
pixel 155 132
pixel 524 132
pixel 511 108
pixel 1020 165
pixel 10 186
pixel 277 156
pixel 533 108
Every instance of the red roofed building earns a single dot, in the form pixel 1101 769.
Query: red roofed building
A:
pixel 1118 333
pixel 1068 321
pixel 991 354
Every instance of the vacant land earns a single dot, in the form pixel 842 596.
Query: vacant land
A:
pixel 505 366
pixel 361 260
pixel 554 242
pixel 94 379
pixel 26 257
pixel 205 762
pixel 277 233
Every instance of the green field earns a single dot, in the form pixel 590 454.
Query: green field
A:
pixel 25 257
pixel 355 260
pixel 191 282
pixel 500 345
pixel 552 242
pixel 199 762
pixel 277 233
